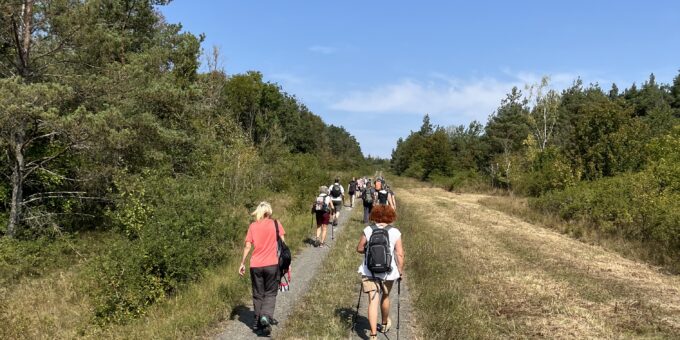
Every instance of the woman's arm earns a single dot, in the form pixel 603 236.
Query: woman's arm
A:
pixel 399 250
pixel 246 251
pixel 361 247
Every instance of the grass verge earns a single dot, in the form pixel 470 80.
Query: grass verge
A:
pixel 632 249
pixel 326 310
pixel 440 283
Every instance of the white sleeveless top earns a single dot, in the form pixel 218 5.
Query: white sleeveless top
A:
pixel 394 235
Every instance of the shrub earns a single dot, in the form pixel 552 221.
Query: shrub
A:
pixel 174 228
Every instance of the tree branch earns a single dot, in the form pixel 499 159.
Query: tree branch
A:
pixel 38 163
pixel 53 133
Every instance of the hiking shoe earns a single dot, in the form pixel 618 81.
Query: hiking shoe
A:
pixel 373 337
pixel 266 327
pixel 386 326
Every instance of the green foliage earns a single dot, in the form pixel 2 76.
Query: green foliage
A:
pixel 609 159
pixel 175 228
pixel 638 206
pixel 127 139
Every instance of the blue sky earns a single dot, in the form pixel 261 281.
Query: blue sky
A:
pixel 376 67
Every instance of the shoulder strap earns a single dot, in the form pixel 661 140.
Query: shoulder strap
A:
pixel 276 224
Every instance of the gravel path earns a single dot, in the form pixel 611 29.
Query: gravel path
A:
pixel 305 265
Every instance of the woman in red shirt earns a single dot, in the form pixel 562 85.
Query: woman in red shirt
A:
pixel 264 265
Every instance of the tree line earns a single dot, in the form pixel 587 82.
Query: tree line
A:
pixel 107 124
pixel 610 158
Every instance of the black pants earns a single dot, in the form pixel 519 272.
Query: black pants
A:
pixel 367 212
pixel 265 282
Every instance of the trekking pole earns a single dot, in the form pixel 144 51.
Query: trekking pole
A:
pixel 311 238
pixel 356 313
pixel 398 304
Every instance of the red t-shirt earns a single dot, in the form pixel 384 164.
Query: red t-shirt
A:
pixel 262 234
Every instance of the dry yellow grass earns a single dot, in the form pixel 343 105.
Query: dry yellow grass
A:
pixel 528 281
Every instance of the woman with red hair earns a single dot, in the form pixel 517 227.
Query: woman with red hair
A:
pixel 374 283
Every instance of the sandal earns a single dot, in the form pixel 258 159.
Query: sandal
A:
pixel 386 326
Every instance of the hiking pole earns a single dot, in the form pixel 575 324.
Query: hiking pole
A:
pixel 311 238
pixel 356 313
pixel 398 304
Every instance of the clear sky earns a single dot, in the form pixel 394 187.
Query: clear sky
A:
pixel 376 67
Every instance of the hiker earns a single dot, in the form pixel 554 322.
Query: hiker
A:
pixel 368 197
pixel 322 209
pixel 337 193
pixel 352 188
pixel 392 200
pixel 264 266
pixel 378 285
pixel 383 195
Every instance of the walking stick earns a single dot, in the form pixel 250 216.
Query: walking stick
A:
pixel 398 304
pixel 356 313
pixel 312 237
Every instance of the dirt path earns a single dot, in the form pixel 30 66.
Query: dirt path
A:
pixel 305 265
pixel 534 282
pixel 407 326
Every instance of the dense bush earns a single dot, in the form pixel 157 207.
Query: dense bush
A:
pixel 639 206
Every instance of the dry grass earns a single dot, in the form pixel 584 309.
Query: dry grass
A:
pixel 506 278
pixel 56 305
pixel 325 311
pixel 632 249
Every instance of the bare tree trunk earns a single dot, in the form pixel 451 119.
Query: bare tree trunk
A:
pixel 17 184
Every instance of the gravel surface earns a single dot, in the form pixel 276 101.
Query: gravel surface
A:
pixel 305 265
pixel 406 326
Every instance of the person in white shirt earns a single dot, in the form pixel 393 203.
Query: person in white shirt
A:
pixel 375 283
pixel 337 193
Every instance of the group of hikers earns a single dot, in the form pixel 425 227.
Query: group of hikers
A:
pixel 379 243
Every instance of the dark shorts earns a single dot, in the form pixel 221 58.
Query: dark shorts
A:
pixel 338 205
pixel 351 193
pixel 322 217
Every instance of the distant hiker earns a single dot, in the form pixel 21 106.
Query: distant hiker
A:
pixel 383 195
pixel 383 264
pixel 337 193
pixel 264 265
pixel 391 199
pixel 368 198
pixel 322 209
pixel 352 188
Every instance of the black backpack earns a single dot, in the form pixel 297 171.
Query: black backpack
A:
pixel 382 196
pixel 336 191
pixel 378 256
pixel 352 186
pixel 282 250
pixel 367 196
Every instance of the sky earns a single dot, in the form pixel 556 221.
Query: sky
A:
pixel 377 67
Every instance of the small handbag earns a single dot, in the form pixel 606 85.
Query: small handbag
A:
pixel 282 251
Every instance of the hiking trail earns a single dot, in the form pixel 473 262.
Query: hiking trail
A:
pixel 305 266
pixel 407 327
